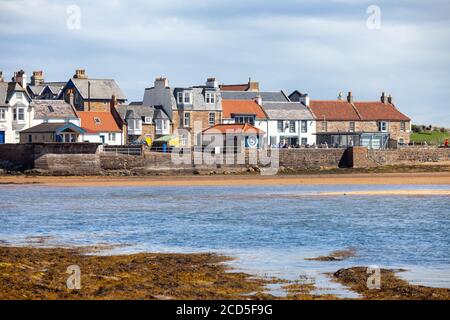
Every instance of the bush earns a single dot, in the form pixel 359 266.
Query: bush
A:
pixel 443 130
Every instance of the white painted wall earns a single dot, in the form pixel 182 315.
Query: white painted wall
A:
pixel 97 138
pixel 273 133
pixel 11 127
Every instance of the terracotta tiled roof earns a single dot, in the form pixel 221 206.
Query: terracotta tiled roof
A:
pixel 106 122
pixel 333 110
pixel 374 111
pixel 234 87
pixel 242 107
pixel 233 129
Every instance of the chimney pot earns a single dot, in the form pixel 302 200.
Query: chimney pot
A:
pixel 80 74
pixel 350 97
pixel 389 99
pixel 212 83
pixel 37 78
pixel 383 97
pixel 1 76
pixel 161 82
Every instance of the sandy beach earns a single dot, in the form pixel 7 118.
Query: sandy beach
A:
pixel 419 178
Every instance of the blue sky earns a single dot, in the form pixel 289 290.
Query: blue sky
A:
pixel 315 46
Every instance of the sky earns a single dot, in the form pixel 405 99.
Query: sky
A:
pixel 314 46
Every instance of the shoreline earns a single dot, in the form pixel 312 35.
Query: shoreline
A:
pixel 41 273
pixel 419 178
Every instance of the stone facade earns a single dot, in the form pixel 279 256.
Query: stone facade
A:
pixel 394 128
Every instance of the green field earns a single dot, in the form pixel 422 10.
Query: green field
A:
pixel 431 137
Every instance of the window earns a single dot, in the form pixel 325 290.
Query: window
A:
pixel 304 126
pixel 148 120
pixel 184 97
pixel 291 126
pixel 187 119
pixel 97 120
pixel 401 141
pixel 2 114
pixel 19 95
pixel 352 127
pixel 50 109
pixel 212 118
pixel 304 141
pixel 324 126
pixel 184 140
pixel 30 138
pixel 112 137
pixel 280 126
pixel 210 98
pixel 382 126
pixel 20 114
pixel 187 98
pixel 402 126
pixel 245 119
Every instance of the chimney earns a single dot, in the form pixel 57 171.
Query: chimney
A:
pixel 161 83
pixel 112 103
pixel 383 97
pixel 340 95
pixel 80 74
pixel 304 99
pixel 253 85
pixel 212 83
pixel 258 99
pixel 71 98
pixel 389 99
pixel 1 76
pixel 37 78
pixel 21 78
pixel 350 97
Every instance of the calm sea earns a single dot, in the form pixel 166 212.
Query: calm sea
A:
pixel 269 229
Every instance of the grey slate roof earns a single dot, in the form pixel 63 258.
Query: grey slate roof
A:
pixel 198 99
pixel 101 89
pixel 55 87
pixel 53 109
pixel 249 95
pixel 6 91
pixel 52 127
pixel 287 111
pixel 36 90
pixel 3 93
pixel 139 111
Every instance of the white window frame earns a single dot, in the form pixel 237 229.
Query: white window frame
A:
pixel 187 116
pixel 402 126
pixel 278 126
pixel 292 126
pixel 184 140
pixel 112 136
pixel 212 118
pixel 210 97
pixel 148 120
pixel 383 126
pixel 17 112
pixel 180 98
pixel 351 126
pixel 304 126
pixel 3 114
pixel 19 95
pixel 304 140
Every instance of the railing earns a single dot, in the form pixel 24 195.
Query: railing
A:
pixel 125 150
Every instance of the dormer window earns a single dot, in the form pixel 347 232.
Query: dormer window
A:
pixel 19 95
pixel 97 120
pixel 50 109
pixel 210 98
pixel 184 97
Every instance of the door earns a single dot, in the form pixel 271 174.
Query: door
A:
pixel 2 137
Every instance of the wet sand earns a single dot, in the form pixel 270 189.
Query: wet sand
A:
pixel 420 178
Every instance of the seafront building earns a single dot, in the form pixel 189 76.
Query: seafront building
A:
pixel 95 110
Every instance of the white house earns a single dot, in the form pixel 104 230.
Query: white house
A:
pixel 100 127
pixel 289 124
pixel 16 113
